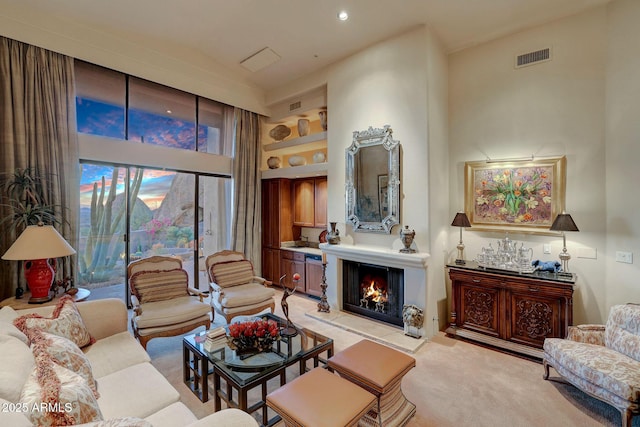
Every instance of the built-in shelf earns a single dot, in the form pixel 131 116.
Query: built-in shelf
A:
pixel 296 142
pixel 314 169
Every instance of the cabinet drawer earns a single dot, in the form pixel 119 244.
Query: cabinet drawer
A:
pixel 296 256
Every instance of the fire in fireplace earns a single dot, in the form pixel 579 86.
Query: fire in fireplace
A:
pixel 373 291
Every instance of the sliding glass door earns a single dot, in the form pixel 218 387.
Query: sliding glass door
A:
pixel 129 213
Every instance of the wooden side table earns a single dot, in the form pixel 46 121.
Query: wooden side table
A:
pixel 23 303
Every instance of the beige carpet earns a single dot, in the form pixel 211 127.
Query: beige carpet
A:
pixel 455 383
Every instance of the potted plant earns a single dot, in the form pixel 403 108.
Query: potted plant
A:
pixel 23 197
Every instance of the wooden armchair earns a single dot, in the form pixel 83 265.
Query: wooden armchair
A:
pixel 164 304
pixel 235 289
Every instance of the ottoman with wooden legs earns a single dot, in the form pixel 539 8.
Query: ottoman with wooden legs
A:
pixel 320 398
pixel 378 369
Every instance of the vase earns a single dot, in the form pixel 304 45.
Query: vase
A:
pixel 273 162
pixel 297 161
pixel 333 236
pixel 319 157
pixel 303 127
pixel 323 119
pixel 407 237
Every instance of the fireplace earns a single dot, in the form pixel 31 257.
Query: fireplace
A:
pixel 373 291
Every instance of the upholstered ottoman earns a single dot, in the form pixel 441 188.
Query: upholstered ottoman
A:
pixel 378 369
pixel 320 398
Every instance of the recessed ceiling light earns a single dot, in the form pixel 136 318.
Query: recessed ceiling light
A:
pixel 169 111
pixel 343 15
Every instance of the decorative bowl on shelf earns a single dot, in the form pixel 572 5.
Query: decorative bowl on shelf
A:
pixel 279 132
pixel 297 161
pixel 273 162
pixel 319 157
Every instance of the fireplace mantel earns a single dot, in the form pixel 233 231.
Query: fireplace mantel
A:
pixel 377 255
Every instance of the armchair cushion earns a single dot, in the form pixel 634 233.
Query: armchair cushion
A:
pixel 242 295
pixel 159 285
pixel 232 273
pixel 170 312
pixel 590 334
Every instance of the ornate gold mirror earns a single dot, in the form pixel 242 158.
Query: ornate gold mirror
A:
pixel 373 181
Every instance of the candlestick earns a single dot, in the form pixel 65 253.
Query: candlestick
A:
pixel 324 258
pixel 323 305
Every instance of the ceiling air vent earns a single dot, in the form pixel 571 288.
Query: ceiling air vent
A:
pixel 531 58
pixel 295 105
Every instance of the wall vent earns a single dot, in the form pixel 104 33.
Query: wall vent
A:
pixel 295 105
pixel 531 58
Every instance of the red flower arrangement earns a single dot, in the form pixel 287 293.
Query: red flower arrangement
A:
pixel 253 335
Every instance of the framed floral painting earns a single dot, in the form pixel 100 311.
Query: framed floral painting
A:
pixel 514 195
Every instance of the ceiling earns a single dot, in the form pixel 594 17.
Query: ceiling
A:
pixel 306 34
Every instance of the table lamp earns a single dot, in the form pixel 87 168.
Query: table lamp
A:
pixel 461 221
pixel 564 222
pixel 38 246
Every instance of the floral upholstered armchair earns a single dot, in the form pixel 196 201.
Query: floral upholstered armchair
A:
pixel 602 360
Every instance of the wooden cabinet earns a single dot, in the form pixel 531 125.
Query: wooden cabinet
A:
pixel 276 224
pixel 510 310
pixel 313 270
pixel 310 202
pixel 290 263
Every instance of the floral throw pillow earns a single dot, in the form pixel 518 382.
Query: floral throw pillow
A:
pixel 56 396
pixel 65 353
pixel 65 322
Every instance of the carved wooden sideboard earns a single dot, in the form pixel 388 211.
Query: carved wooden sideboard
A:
pixel 510 310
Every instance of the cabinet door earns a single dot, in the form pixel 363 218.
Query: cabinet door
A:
pixel 534 317
pixel 314 277
pixel 271 264
pixel 320 202
pixel 303 202
pixel 479 308
pixel 290 267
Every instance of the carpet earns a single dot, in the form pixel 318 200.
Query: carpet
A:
pixel 454 383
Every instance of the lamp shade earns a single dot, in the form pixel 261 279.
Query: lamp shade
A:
pixel 38 242
pixel 564 222
pixel 461 220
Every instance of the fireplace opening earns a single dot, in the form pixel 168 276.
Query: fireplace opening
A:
pixel 373 291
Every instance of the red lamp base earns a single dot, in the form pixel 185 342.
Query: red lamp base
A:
pixel 39 274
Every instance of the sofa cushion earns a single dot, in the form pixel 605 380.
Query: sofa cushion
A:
pixel 599 366
pixel 243 295
pixel 622 332
pixel 114 353
pixel 12 414
pixel 159 285
pixel 176 414
pixel 65 321
pixel 230 417
pixel 232 273
pixel 171 312
pixel 7 316
pixel 135 391
pixel 61 396
pixel 65 353
pixel 16 362
pixel 119 422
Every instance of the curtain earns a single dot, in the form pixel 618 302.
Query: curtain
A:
pixel 245 236
pixel 38 131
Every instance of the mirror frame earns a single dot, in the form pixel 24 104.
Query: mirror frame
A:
pixel 369 138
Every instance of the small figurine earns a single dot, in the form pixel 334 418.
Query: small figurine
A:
pixel 289 330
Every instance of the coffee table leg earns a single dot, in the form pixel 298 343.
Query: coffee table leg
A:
pixel 216 389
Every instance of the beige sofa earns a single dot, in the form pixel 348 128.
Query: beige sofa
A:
pixel 128 384
pixel 602 360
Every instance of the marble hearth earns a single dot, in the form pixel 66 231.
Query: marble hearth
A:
pixel 414 267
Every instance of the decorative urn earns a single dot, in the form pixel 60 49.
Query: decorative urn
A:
pixel 407 237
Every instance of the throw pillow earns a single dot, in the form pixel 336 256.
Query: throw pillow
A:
pixel 159 285
pixel 119 422
pixel 65 322
pixel 232 273
pixel 65 353
pixel 16 361
pixel 56 396
pixel 7 316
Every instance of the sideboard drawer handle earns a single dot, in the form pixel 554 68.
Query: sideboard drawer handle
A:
pixel 476 280
pixel 534 289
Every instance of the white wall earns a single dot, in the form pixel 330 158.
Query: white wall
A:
pixel 548 109
pixel 622 151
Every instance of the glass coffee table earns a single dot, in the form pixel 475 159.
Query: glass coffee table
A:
pixel 242 373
